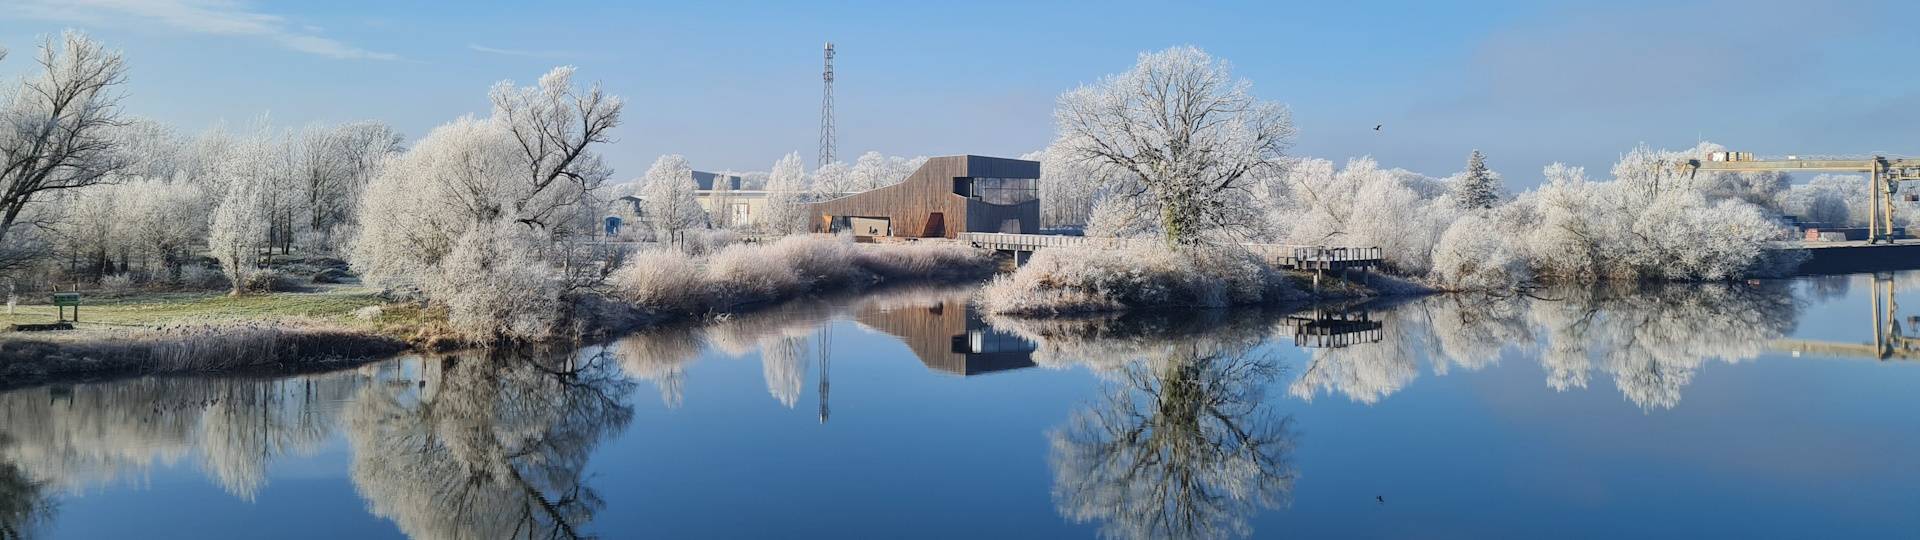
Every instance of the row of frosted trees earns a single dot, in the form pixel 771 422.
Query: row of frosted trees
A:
pixel 489 217
pixel 671 208
pixel 484 215
pixel 1178 149
pixel 94 195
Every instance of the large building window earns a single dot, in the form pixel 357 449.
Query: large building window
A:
pixel 1003 190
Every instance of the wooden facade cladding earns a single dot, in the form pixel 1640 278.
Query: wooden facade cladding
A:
pixel 925 205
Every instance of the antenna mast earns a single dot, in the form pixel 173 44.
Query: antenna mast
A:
pixel 826 111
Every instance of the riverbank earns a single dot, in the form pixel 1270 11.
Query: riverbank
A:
pixel 28 359
pixel 1084 279
pixel 148 333
pixel 330 325
pixel 333 325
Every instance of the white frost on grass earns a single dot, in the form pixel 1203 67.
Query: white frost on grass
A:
pixel 1101 278
pixel 741 274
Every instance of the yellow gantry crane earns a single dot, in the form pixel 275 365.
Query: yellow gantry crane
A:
pixel 1884 176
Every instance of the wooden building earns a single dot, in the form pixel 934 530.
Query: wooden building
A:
pixel 947 196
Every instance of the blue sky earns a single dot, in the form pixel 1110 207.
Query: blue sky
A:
pixel 734 85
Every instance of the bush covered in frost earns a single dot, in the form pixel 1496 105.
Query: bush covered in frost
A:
pixel 1654 221
pixel 671 283
pixel 1090 279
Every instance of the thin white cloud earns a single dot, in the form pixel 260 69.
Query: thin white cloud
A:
pixel 516 52
pixel 213 17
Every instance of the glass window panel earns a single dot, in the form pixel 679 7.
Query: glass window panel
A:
pixel 1004 190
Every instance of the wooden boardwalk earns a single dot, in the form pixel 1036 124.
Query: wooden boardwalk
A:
pixel 1323 258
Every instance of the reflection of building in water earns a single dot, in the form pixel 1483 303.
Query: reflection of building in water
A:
pixel 949 337
pixel 1325 329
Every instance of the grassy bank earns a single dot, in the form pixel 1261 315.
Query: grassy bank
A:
pixel 343 306
pixel 138 333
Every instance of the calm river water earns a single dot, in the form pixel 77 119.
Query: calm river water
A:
pixel 1677 412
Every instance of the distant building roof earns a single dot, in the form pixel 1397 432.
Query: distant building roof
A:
pixel 706 180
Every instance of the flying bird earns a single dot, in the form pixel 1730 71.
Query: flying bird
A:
pixel 1376 127
pixel 1381 498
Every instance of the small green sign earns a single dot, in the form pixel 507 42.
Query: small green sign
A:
pixel 66 299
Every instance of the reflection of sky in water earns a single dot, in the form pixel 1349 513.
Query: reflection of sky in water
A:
pixel 1470 417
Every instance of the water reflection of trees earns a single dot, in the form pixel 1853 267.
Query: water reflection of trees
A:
pixel 1649 339
pixel 72 437
pixel 62 439
pixel 489 446
pixel 1181 444
pixel 477 446
pixel 25 504
pixel 786 336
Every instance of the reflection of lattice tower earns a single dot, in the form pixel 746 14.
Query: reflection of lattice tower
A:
pixel 826 111
pixel 826 361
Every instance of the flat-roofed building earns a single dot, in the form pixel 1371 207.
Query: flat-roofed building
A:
pixel 946 196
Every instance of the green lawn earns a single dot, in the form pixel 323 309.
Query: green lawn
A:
pixel 158 309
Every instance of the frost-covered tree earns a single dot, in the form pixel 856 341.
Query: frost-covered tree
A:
pixel 1118 217
pixel 139 224
pixel 874 170
pixel 869 172
pixel 1624 229
pixel 670 202
pixel 1470 256
pixel 1070 190
pixel 242 223
pixel 1361 205
pixel 1647 173
pixel 528 167
pixel 787 196
pixel 147 220
pixel 833 180
pixel 1830 200
pixel 333 165
pixel 1571 229
pixel 57 129
pixel 1182 130
pixel 553 126
pixel 238 234
pixel 1477 187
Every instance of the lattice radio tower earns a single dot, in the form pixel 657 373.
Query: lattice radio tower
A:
pixel 826 111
